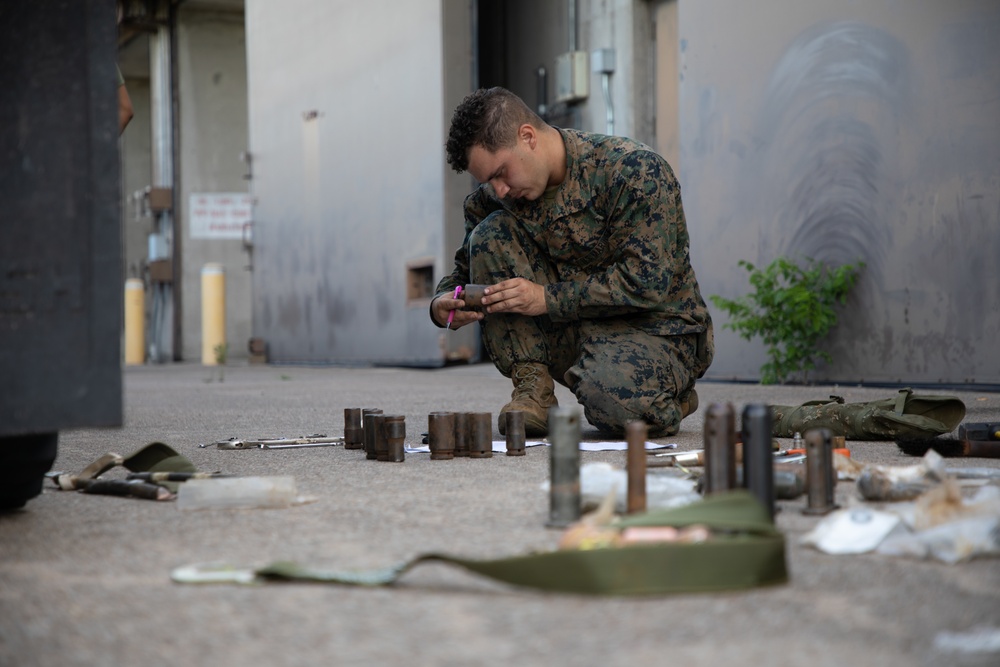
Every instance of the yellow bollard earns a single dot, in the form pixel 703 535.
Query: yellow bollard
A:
pixel 135 322
pixel 213 314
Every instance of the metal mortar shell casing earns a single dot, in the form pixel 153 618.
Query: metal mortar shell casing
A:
pixel 720 448
pixel 473 295
pixel 381 443
pixel 353 430
pixel 368 419
pixel 463 430
pixel 635 465
pixel 564 467
pixel 758 455
pixel 441 435
pixel 821 478
pixel 395 437
pixel 515 432
pixel 481 442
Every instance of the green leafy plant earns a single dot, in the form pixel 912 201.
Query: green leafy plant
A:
pixel 792 309
pixel 221 354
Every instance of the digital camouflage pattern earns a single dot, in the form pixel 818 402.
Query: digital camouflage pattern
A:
pixel 627 329
pixel 908 415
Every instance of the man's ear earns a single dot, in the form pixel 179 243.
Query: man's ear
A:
pixel 528 135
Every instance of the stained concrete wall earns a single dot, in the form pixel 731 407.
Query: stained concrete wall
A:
pixel 846 132
pixel 347 121
pixel 212 133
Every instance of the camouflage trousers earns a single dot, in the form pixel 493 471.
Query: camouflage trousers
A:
pixel 617 371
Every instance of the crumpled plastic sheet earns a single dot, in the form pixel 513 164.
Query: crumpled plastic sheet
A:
pixel 598 478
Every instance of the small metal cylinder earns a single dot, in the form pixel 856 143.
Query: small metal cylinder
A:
pixel 758 458
pixel 473 295
pixel 441 435
pixel 635 465
pixel 515 432
pixel 368 436
pixel 481 442
pixel 354 432
pixel 463 431
pixel 381 442
pixel 720 448
pixel 821 478
pixel 395 438
pixel 564 467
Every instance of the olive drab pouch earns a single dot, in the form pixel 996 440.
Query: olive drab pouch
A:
pixel 908 415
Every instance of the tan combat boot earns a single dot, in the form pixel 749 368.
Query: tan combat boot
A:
pixel 688 401
pixel 533 394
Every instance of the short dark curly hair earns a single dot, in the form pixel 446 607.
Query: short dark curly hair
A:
pixel 489 118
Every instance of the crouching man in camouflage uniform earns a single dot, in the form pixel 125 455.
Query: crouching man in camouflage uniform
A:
pixel 582 241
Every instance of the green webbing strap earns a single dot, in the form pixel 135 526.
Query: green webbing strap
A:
pixel 745 551
pixel 154 457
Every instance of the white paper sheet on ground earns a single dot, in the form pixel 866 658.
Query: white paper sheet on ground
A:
pixel 851 531
pixel 501 446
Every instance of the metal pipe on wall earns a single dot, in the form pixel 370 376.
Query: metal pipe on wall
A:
pixel 162 158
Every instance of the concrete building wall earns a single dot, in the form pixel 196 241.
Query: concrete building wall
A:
pixel 212 135
pixel 846 132
pixel 347 117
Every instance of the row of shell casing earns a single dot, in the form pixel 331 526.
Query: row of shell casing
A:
pixel 450 434
pixel 758 458
pixel 382 436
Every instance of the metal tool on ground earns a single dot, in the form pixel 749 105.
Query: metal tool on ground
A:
pixel 758 458
pixel 720 448
pixel 635 465
pixel 983 447
pixel 157 477
pixel 821 478
pixel 515 432
pixel 354 432
pixel 564 467
pixel 317 440
pixel 979 431
pixel 441 435
pixel 121 487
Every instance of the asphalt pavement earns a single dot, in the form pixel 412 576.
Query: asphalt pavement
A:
pixel 85 579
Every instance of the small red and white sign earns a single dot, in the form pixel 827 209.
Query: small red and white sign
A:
pixel 220 215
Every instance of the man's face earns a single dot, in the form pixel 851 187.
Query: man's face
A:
pixel 515 173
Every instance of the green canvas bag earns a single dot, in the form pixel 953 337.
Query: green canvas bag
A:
pixel 907 416
pixel 746 550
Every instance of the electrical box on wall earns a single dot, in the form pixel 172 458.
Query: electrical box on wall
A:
pixel 572 77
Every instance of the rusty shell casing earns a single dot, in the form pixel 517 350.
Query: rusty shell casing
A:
pixel 758 456
pixel 473 295
pixel 368 436
pixel 564 467
pixel 395 438
pixel 635 465
pixel 463 431
pixel 441 435
pixel 821 477
pixel 353 430
pixel 381 442
pixel 720 448
pixel 515 432
pixel 481 440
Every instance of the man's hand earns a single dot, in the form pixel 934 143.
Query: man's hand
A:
pixel 443 305
pixel 517 295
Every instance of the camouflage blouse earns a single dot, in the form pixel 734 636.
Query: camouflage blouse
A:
pixel 615 233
